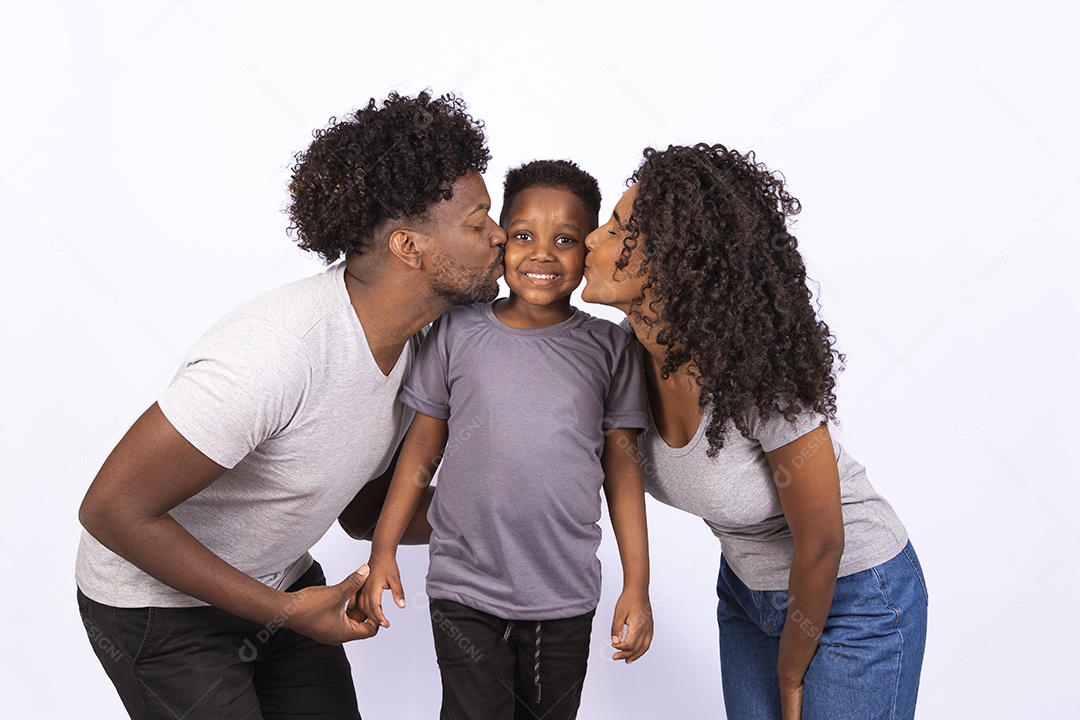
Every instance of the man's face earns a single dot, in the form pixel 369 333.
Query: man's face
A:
pixel 467 245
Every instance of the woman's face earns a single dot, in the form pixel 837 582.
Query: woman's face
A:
pixel 605 284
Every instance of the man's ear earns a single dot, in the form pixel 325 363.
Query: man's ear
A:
pixel 403 245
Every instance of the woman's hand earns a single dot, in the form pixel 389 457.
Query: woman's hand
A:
pixel 791 701
pixel 633 612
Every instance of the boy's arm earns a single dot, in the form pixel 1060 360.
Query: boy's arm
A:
pixel 152 470
pixel 420 454
pixel 359 518
pixel 626 503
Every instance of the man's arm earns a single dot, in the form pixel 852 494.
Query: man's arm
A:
pixel 151 471
pixel 361 515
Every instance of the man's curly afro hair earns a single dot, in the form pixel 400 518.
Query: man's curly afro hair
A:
pixel 730 298
pixel 561 174
pixel 381 163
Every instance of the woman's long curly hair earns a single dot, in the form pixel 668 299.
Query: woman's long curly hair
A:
pixel 728 288
pixel 381 162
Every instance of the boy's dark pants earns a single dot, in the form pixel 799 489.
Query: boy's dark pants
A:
pixel 488 664
pixel 204 663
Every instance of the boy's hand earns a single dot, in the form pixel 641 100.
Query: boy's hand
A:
pixel 384 576
pixel 633 611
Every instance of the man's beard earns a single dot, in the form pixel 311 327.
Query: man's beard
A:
pixel 457 285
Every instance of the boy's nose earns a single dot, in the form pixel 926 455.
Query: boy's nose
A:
pixel 541 250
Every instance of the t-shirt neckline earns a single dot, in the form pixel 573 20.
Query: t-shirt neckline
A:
pixel 688 447
pixel 557 329
pixel 343 293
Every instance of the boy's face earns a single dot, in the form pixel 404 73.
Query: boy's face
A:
pixel 545 246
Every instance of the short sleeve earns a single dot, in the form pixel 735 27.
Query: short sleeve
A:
pixel 241 384
pixel 624 406
pixel 427 389
pixel 777 431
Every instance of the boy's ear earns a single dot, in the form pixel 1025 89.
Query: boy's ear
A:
pixel 403 245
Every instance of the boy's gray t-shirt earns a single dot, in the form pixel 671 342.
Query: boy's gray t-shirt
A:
pixel 735 493
pixel 284 392
pixel 517 501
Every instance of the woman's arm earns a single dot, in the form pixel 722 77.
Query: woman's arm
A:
pixel 421 452
pixel 626 503
pixel 151 471
pixel 808 484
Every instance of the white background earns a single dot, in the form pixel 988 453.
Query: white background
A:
pixel 143 166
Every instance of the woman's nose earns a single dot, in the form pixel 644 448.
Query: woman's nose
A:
pixel 590 240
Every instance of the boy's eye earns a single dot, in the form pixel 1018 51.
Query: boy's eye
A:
pixel 565 240
pixel 524 236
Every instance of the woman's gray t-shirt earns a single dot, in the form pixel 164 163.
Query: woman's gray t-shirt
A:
pixel 515 512
pixel 735 494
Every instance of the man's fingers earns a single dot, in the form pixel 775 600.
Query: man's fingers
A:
pixel 361 630
pixel 354 582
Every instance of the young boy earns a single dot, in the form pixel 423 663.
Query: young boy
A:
pixel 532 406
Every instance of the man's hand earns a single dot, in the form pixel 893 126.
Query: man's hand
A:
pixel 634 612
pixel 328 613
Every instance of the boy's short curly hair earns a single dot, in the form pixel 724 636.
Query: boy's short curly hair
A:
pixel 561 174
pixel 379 163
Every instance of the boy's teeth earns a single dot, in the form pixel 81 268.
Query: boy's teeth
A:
pixel 541 276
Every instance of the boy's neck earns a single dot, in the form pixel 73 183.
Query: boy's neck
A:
pixel 516 313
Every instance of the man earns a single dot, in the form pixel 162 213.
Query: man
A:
pixel 195 582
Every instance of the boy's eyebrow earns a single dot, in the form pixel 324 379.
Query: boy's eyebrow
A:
pixel 525 221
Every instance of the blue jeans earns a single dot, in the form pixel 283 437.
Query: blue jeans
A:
pixel 868 662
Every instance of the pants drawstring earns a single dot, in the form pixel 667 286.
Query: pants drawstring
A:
pixel 536 663
pixel 536 653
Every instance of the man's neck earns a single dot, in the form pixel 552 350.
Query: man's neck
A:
pixel 390 309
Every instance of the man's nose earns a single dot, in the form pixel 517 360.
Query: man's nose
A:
pixel 498 236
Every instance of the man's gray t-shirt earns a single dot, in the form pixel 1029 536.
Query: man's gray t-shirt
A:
pixel 517 502
pixel 735 493
pixel 285 393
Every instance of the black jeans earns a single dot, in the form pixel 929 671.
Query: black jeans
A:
pixel 202 663
pixel 496 669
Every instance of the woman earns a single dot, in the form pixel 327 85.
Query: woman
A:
pixel 822 603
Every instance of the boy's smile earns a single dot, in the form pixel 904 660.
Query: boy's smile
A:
pixel 544 254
